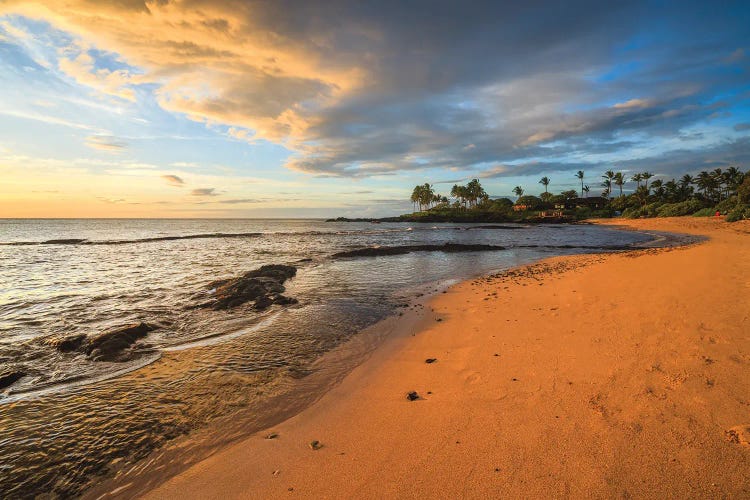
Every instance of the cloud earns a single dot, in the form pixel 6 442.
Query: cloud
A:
pixel 112 201
pixel 173 180
pixel 204 192
pixel 633 103
pixel 363 89
pixel 81 67
pixel 106 143
pixel 49 119
pixel 741 127
pixel 240 201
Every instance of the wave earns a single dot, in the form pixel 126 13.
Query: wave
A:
pixel 83 241
pixel 77 241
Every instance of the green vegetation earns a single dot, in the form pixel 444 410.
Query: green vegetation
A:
pixel 726 192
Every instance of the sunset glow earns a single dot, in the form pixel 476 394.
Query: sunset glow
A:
pixel 251 109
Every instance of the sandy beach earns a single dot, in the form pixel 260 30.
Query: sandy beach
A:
pixel 620 375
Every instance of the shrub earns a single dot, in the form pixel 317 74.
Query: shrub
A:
pixel 622 203
pixel 603 213
pixel 704 212
pixel 743 191
pixel 582 213
pixel 533 202
pixel 679 209
pixel 727 205
pixel 740 212
pixel 632 213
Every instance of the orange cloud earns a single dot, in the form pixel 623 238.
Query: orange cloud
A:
pixel 174 180
pixel 214 61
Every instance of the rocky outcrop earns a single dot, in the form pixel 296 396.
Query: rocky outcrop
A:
pixel 264 286
pixel 114 345
pixel 404 249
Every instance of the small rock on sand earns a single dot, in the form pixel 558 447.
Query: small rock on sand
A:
pixel 739 434
pixel 430 360
pixel 315 445
pixel 412 396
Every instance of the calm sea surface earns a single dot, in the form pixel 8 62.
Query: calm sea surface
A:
pixel 71 419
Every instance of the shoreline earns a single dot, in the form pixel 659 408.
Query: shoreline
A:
pixel 173 458
pixel 353 461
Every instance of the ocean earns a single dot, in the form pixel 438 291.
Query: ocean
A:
pixel 71 419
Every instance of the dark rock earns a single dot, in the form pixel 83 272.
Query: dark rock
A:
pixel 66 344
pixel 263 302
pixel 404 249
pixel 430 360
pixel 10 377
pixel 315 445
pixel 110 346
pixel 263 286
pixel 412 396
pixel 284 300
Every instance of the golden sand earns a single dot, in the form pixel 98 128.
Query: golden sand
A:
pixel 588 376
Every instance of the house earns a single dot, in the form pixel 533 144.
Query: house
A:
pixel 520 208
pixel 595 203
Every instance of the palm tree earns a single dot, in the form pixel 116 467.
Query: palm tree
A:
pixel 646 176
pixel 619 181
pixel 544 181
pixel 732 179
pixel 607 185
pixel 671 190
pixel 706 183
pixel 518 191
pixel 718 176
pixel 586 190
pixel 415 197
pixel 641 194
pixel 637 178
pixel 459 193
pixel 686 180
pixel 475 191
pixel 427 195
pixel 686 186
pixel 579 175
pixel 658 187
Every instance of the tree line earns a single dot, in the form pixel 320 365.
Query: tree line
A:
pixel 722 190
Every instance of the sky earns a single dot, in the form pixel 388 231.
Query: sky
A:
pixel 233 108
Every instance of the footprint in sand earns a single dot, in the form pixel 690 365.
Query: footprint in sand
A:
pixel 739 434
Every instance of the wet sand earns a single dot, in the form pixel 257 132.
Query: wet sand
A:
pixel 599 376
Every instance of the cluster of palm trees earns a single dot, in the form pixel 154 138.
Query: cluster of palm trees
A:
pixel 471 194
pixel 618 179
pixel 713 186
pixel 425 197
pixel 717 184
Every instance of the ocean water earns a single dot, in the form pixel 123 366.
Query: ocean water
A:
pixel 71 420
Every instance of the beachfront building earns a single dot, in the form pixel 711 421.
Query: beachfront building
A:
pixel 595 202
